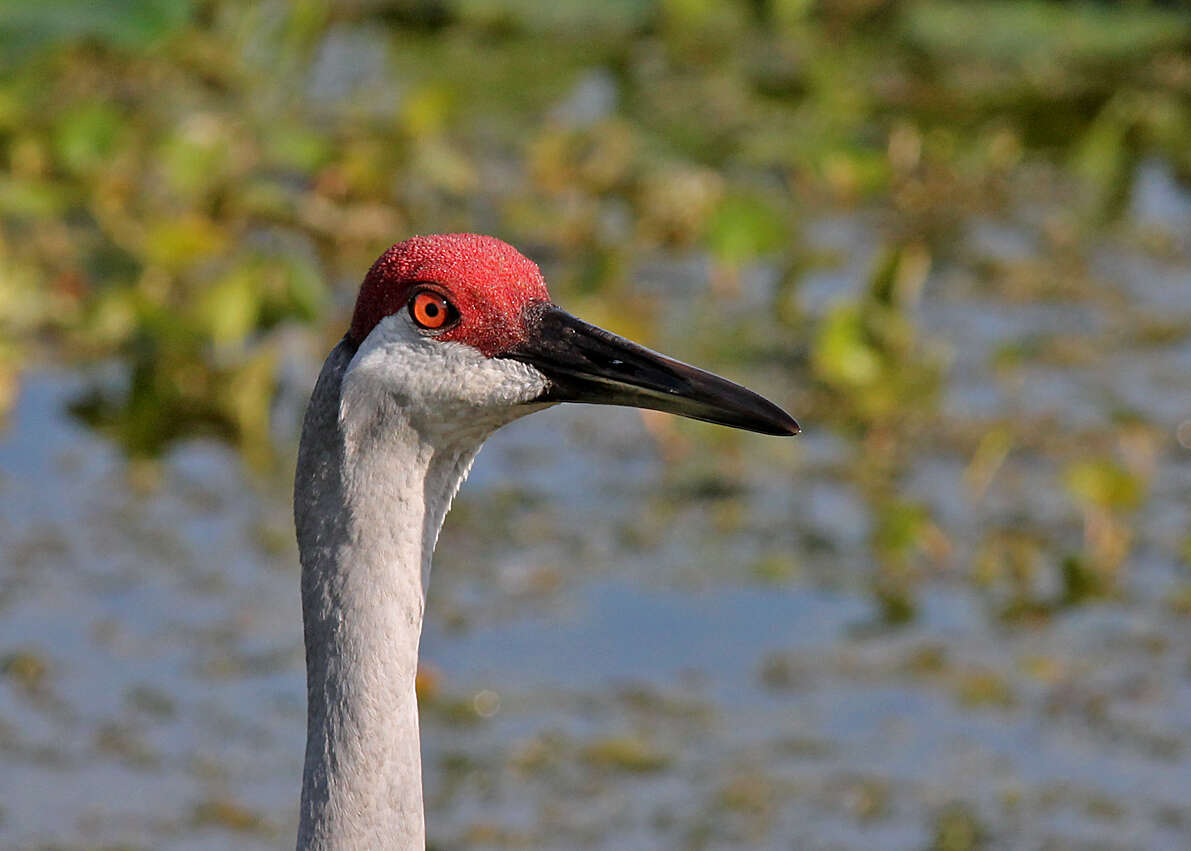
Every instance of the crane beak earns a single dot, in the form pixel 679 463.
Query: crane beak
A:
pixel 584 363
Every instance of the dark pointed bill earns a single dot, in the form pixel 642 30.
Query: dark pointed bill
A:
pixel 584 363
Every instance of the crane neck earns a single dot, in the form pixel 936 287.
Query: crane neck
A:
pixel 370 496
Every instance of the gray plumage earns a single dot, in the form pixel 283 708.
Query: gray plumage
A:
pixel 376 474
pixel 397 416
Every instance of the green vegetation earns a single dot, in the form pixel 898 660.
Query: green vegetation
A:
pixel 189 188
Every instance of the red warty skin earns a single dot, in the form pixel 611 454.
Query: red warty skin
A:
pixel 489 282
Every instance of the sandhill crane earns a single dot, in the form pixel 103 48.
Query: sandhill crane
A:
pixel 452 337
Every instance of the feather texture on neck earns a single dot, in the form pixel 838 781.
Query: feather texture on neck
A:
pixel 370 495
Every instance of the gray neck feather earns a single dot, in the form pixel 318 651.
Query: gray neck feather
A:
pixel 369 499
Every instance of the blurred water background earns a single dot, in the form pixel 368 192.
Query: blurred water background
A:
pixel 953 238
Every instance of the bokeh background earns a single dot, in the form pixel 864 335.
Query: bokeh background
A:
pixel 953 238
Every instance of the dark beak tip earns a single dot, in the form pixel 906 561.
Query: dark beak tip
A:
pixel 776 422
pixel 785 427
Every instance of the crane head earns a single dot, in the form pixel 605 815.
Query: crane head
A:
pixel 461 327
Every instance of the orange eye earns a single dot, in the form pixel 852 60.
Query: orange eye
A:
pixel 430 310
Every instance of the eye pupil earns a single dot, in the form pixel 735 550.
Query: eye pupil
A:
pixel 432 310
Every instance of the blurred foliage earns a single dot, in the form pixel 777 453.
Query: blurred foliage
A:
pixel 1108 492
pixel 957 828
pixel 189 186
pixel 626 753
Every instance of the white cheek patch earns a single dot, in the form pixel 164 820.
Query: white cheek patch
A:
pixel 438 381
